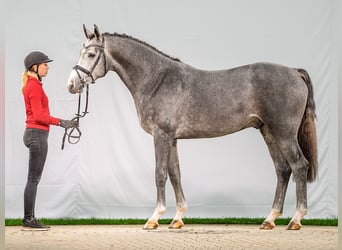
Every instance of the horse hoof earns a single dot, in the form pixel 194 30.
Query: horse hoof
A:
pixel 151 225
pixel 293 226
pixel 176 224
pixel 267 225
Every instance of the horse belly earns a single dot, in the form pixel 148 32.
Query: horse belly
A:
pixel 217 111
pixel 211 126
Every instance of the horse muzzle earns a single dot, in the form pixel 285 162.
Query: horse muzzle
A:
pixel 74 88
pixel 74 84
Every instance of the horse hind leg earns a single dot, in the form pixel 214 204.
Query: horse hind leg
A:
pixel 283 172
pixel 175 178
pixel 299 166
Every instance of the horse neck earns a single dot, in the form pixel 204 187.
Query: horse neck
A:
pixel 135 63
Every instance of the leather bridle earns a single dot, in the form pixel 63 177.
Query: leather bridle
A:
pixel 89 73
pixel 75 133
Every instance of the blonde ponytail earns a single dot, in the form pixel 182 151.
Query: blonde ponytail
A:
pixel 25 76
pixel 24 79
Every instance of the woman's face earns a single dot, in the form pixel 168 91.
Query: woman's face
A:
pixel 43 69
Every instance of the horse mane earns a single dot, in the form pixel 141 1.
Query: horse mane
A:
pixel 143 43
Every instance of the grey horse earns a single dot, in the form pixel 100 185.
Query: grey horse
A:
pixel 177 101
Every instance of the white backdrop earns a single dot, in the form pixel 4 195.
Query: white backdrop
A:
pixel 110 172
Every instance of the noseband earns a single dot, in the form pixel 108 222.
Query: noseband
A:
pixel 75 133
pixel 89 73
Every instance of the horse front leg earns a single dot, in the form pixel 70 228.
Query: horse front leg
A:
pixel 162 144
pixel 175 177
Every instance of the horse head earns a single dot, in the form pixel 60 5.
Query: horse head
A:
pixel 91 64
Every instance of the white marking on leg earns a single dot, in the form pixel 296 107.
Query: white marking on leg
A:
pixel 299 215
pixel 273 215
pixel 295 222
pixel 269 221
pixel 180 212
pixel 158 212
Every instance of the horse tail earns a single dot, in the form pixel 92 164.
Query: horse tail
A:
pixel 307 137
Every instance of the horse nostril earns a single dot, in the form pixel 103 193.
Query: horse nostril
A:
pixel 71 88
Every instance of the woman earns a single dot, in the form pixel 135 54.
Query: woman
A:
pixel 38 121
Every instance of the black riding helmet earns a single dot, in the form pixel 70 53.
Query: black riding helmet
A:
pixel 35 58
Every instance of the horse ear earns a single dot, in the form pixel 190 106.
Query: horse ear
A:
pixel 96 32
pixel 87 33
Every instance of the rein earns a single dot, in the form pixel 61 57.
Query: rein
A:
pixel 75 133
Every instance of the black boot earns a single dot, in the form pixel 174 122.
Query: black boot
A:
pixel 34 223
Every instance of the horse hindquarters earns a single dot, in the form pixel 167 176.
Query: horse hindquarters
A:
pixel 296 152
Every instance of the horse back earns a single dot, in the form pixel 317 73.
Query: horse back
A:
pixel 196 103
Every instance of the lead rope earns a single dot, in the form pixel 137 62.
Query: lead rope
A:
pixel 75 133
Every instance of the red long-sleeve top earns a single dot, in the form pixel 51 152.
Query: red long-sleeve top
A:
pixel 37 106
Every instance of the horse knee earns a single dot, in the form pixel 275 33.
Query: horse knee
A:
pixel 161 176
pixel 161 182
pixel 295 158
pixel 284 173
pixel 174 177
pixel 300 169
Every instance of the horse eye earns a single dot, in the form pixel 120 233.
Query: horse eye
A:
pixel 90 55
